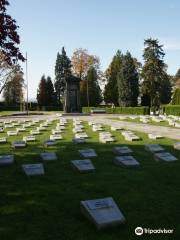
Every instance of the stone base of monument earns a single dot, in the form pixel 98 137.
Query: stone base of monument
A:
pixel 122 150
pixel 33 169
pixel 164 156
pixel 102 212
pixel 177 146
pixel 48 156
pixel 83 166
pixel 128 161
pixel 6 160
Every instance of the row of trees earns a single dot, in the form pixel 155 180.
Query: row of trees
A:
pixel 127 79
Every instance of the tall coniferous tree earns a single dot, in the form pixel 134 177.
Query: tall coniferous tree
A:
pixel 111 88
pixel 41 92
pixel 128 82
pixel 62 71
pixel 153 71
pixel 49 92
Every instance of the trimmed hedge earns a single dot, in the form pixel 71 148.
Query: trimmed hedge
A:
pixel 121 110
pixel 172 110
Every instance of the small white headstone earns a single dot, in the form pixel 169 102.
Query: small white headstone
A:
pixel 83 165
pixel 19 144
pixel 56 137
pixel 102 212
pixel 3 140
pixel 48 156
pixel 6 160
pixel 30 138
pixel 33 169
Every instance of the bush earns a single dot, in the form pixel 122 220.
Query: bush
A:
pixel 121 110
pixel 172 110
pixel 176 97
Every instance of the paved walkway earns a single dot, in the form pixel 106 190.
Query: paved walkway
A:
pixel 168 132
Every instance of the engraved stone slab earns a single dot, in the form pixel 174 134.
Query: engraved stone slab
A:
pixel 50 142
pixel 116 128
pixel 41 128
pixel 56 137
pixel 20 129
pixel 35 132
pixel 81 135
pixel 122 150
pixel 87 153
pixel 126 160
pixel 154 148
pixel 177 145
pixel 48 156
pixel 79 140
pixel 12 133
pixel 33 169
pixel 102 212
pixel 83 165
pixel 54 131
pixel 19 144
pixel 154 136
pixel 3 140
pixel 165 156
pixel 30 138
pixel 6 160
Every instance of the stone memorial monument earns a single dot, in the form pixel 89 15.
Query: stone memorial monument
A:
pixel 72 95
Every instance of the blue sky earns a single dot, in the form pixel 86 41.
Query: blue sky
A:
pixel 101 26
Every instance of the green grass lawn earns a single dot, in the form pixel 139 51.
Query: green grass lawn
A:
pixel 48 207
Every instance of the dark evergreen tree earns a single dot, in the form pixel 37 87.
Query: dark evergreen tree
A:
pixel 9 38
pixel 41 92
pixel 62 71
pixel 49 92
pixel 90 90
pixel 166 89
pixel 176 97
pixel 128 82
pixel 177 79
pixel 153 71
pixel 111 88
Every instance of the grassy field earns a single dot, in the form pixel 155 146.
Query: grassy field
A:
pixel 48 207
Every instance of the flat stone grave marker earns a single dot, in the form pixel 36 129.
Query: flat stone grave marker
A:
pixel 132 137
pixel 12 133
pixel 50 142
pixel 30 138
pixel 83 165
pixel 6 160
pixel 33 169
pixel 154 136
pixel 81 135
pixel 122 150
pixel 126 160
pixel 79 140
pixel 177 146
pixel 154 148
pixel 116 128
pixel 35 132
pixel 19 144
pixel 20 129
pixel 77 130
pixel 3 140
pixel 56 137
pixel 102 212
pixel 60 127
pixel 54 131
pixel 48 156
pixel 88 153
pixel 41 128
pixel 165 156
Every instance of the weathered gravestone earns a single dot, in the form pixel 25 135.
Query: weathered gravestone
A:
pixel 56 137
pixel 126 161
pixel 33 169
pixel 6 160
pixel 154 136
pixel 19 144
pixel 164 156
pixel 48 156
pixel 12 133
pixel 3 140
pixel 50 142
pixel 83 165
pixel 35 132
pixel 102 212
pixel 122 150
pixel 154 148
pixel 30 138
pixel 88 153
pixel 177 146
